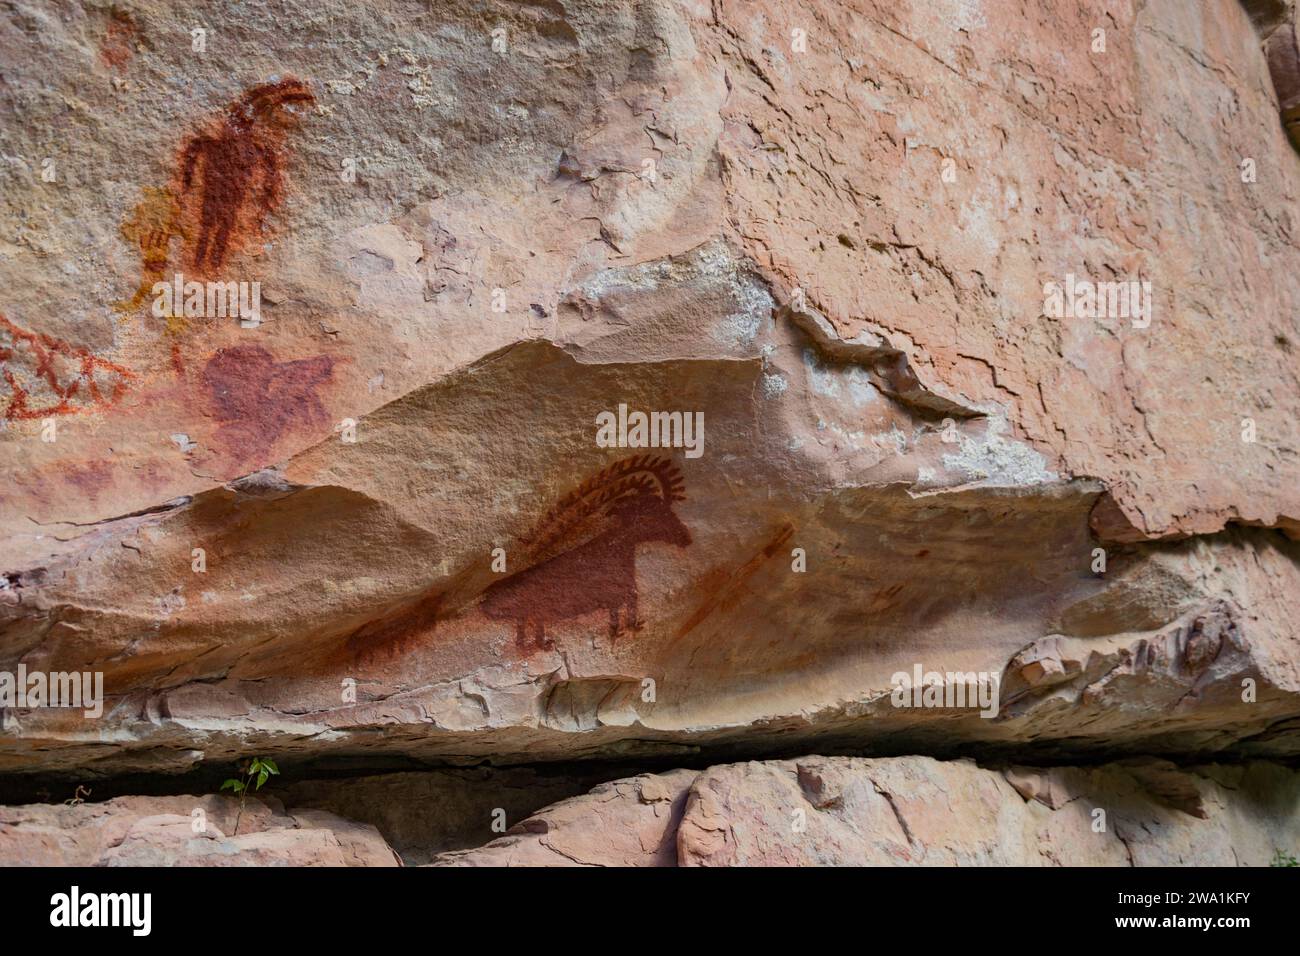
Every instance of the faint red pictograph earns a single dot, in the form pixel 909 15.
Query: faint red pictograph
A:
pixel 235 169
pixel 121 34
pixel 256 400
pixel 628 504
pixel 47 376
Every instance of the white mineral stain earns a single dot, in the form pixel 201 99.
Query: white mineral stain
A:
pixel 996 459
pixel 823 380
pixel 773 385
pixel 861 391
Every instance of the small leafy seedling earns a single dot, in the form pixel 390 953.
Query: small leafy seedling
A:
pixel 1284 859
pixel 256 772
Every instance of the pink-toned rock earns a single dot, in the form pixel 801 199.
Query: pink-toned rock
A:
pixel 917 811
pixel 424 813
pixel 630 822
pixel 185 831
pixel 1276 22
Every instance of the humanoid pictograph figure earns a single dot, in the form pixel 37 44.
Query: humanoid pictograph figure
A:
pixel 242 154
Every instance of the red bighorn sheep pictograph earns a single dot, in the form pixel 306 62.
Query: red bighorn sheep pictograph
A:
pixel 625 505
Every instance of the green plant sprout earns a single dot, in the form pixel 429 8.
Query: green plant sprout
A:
pixel 258 769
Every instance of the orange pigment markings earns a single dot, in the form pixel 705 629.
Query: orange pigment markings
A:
pixel 118 46
pixel 37 360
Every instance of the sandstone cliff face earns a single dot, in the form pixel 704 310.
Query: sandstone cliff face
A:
pixel 376 527
pixel 913 811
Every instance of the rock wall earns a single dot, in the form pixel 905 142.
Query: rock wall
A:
pixel 913 811
pixel 398 513
pixel 184 831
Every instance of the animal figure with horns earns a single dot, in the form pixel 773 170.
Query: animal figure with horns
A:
pixel 625 505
